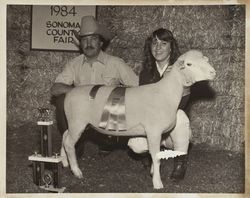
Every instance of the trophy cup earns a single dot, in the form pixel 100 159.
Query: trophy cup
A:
pixel 46 166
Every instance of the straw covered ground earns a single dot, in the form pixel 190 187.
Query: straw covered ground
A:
pixel 209 170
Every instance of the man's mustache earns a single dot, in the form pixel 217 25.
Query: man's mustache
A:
pixel 89 48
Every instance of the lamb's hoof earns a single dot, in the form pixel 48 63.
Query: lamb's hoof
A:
pixel 78 173
pixel 158 185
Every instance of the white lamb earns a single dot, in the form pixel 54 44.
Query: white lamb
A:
pixel 144 105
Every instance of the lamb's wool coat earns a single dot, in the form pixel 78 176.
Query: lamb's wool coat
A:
pixel 144 105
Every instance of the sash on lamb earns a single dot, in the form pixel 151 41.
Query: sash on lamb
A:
pixel 113 116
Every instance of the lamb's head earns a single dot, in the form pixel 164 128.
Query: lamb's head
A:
pixel 195 67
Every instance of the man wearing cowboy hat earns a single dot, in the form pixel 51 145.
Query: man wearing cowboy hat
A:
pixel 93 66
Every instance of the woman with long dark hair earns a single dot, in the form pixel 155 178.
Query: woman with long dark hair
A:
pixel 160 49
pixel 160 53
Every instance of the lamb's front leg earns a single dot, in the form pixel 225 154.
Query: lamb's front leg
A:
pixel 154 138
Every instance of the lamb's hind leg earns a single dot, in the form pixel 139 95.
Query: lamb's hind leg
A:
pixel 69 142
pixel 63 153
pixel 154 138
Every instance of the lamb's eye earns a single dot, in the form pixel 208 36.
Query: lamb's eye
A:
pixel 189 64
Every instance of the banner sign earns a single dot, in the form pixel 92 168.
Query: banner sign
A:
pixel 52 26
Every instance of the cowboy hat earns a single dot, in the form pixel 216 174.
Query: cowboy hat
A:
pixel 90 26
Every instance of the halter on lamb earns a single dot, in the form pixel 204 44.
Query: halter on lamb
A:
pixel 144 105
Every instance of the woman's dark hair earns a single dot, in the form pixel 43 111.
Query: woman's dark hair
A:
pixel 165 35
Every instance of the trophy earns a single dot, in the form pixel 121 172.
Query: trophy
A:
pixel 46 165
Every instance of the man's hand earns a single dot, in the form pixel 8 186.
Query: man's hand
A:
pixel 60 88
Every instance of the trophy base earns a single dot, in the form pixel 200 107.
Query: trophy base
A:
pixel 47 172
pixel 52 189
